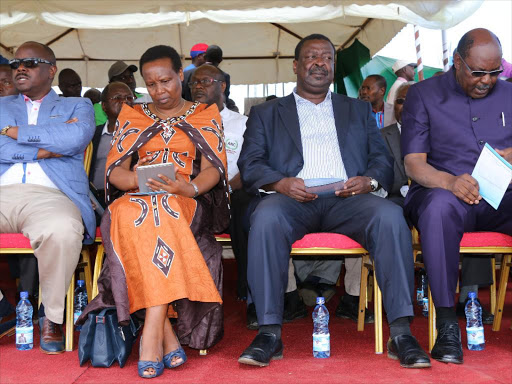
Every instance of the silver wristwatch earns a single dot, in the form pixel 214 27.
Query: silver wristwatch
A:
pixel 374 184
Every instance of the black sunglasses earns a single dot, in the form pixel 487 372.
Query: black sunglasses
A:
pixel 481 73
pixel 30 62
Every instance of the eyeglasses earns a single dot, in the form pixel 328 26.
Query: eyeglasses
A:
pixel 400 101
pixel 481 73
pixel 120 98
pixel 204 82
pixel 31 62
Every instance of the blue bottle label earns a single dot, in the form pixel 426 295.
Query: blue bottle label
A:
pixel 322 342
pixel 475 335
pixel 24 335
pixel 425 304
pixel 419 295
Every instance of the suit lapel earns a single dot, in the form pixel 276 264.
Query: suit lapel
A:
pixel 19 109
pixel 290 119
pixel 393 139
pixel 49 102
pixel 341 111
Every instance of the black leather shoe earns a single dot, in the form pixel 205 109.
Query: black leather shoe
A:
pixel 448 346
pixel 252 319
pixel 294 307
pixel 487 317
pixel 265 347
pixel 52 338
pixel 350 310
pixel 406 349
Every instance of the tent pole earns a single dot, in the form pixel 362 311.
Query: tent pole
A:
pixel 418 52
pixel 446 64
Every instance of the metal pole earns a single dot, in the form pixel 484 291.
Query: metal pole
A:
pixel 418 52
pixel 446 64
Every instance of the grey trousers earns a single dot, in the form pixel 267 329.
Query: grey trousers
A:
pixel 54 227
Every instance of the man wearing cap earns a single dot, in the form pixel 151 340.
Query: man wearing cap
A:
pixel 405 72
pixel 197 55
pixel 122 72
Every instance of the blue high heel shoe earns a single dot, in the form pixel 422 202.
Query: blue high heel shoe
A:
pixel 180 352
pixel 142 365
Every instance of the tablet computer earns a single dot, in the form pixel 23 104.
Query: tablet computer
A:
pixel 145 172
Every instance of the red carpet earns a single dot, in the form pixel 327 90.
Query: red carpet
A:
pixel 352 355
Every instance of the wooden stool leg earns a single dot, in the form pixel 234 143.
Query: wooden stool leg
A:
pixel 97 269
pixel 432 331
pixel 69 315
pixel 377 303
pixel 505 270
pixel 492 288
pixel 362 296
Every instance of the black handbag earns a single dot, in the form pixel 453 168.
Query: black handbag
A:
pixel 103 340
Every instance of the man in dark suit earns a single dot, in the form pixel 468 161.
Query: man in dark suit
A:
pixel 314 133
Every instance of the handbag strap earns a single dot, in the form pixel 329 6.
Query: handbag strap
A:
pixel 100 317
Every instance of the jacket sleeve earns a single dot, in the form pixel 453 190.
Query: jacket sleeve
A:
pixel 59 137
pixel 253 162
pixel 380 163
pixel 11 152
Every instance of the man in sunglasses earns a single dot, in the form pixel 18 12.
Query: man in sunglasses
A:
pixel 113 97
pixel 446 122
pixel 43 185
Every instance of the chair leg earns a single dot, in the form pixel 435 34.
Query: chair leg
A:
pixel 362 296
pixel 492 288
pixel 377 303
pixel 86 259
pixel 69 315
pixel 505 271
pixel 98 263
pixel 432 331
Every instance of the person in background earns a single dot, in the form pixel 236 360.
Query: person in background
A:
pixel 373 90
pixel 404 72
pixel 197 55
pixel 113 97
pixel 446 122
pixel 314 133
pixel 94 95
pixel 70 83
pixel 42 146
pixel 7 87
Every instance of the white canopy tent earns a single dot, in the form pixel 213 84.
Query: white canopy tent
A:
pixel 258 37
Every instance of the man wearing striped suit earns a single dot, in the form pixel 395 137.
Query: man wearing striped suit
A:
pixel 313 134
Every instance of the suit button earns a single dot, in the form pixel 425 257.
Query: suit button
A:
pixel 481 142
pixel 475 118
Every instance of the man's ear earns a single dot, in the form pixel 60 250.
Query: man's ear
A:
pixel 52 72
pixel 457 61
pixel 295 66
pixel 223 86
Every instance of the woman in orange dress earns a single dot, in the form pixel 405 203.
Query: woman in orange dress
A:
pixel 161 251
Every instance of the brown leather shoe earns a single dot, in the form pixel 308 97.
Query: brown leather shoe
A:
pixel 52 339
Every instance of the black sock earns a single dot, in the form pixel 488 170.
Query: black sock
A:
pixel 350 299
pixel 445 315
pixel 400 327
pixel 291 298
pixel 271 328
pixel 5 307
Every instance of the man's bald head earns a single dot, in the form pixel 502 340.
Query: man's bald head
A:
pixel 45 52
pixel 208 85
pixel 476 37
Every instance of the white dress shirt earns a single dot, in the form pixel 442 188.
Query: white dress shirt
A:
pixel 28 172
pixel 234 128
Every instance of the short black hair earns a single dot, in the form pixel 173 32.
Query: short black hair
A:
pixel 314 36
pixel 67 71
pixel 47 49
pixel 467 41
pixel 161 52
pixel 213 54
pixel 380 80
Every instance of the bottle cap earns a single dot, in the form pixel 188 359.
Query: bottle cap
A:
pixel 80 283
pixel 472 295
pixel 24 295
pixel 320 300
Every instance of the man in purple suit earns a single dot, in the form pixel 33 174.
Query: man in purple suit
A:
pixel 446 122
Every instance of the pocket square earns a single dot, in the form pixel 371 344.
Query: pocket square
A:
pixel 55 116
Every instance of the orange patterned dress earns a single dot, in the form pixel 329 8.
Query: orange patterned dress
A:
pixel 161 247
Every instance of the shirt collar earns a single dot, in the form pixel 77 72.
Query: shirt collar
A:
pixel 399 127
pixel 301 100
pixel 28 99
pixel 105 130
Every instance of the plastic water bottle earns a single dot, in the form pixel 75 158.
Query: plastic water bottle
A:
pixel 422 284
pixel 424 309
pixel 80 302
pixel 474 326
pixel 321 336
pixel 24 327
